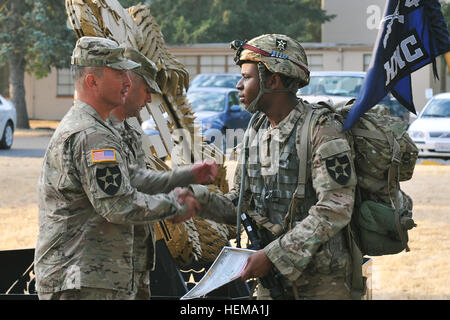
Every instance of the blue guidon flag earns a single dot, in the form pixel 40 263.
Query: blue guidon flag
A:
pixel 412 35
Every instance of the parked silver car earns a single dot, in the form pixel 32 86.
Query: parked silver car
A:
pixel 7 123
pixel 431 130
pixel 340 86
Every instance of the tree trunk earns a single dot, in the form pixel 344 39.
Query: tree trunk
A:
pixel 17 64
pixel 17 89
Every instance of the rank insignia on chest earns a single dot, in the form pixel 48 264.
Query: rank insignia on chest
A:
pixel 339 169
pixel 109 179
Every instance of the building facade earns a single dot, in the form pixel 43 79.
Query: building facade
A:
pixel 347 45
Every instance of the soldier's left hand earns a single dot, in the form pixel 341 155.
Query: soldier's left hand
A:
pixel 258 265
pixel 205 172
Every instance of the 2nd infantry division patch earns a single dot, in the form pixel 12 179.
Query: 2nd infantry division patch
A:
pixel 340 169
pixel 109 179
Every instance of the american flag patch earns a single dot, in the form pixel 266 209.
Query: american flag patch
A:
pixel 103 155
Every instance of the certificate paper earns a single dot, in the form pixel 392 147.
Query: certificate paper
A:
pixel 227 267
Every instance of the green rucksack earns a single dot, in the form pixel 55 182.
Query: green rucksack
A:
pixel 384 156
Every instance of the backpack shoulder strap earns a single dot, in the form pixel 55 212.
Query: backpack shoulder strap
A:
pixel 303 150
pixel 303 135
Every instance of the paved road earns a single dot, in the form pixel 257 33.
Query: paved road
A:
pixel 28 145
pixel 433 161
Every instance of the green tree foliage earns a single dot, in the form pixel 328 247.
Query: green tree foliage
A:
pixel 129 3
pixel 33 38
pixel 445 6
pixel 212 21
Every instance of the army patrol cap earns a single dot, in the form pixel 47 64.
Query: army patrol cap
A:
pixel 279 53
pixel 147 70
pixel 101 52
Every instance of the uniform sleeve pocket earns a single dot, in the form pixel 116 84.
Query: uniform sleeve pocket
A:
pixel 332 148
pixel 334 166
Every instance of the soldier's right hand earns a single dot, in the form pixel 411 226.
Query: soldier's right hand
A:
pixel 185 196
pixel 258 265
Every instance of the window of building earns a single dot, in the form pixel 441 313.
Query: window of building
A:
pixel 367 57
pixel 232 67
pixel 65 85
pixel 212 64
pixel 209 64
pixel 315 62
pixel 190 63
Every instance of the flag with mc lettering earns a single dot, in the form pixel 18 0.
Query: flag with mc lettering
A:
pixel 412 34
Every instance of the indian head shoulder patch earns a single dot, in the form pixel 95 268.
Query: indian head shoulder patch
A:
pixel 340 169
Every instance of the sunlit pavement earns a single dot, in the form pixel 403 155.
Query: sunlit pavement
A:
pixel 433 161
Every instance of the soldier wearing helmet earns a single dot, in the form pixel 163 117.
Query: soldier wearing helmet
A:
pixel 302 217
pixel 284 57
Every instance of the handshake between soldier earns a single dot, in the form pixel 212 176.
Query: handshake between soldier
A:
pixel 98 201
pixel 204 173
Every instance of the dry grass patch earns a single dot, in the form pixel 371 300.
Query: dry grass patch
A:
pixel 422 273
pixel 19 227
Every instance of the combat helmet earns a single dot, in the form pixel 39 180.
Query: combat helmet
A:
pixel 279 54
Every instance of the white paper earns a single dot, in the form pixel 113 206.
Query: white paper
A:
pixel 227 267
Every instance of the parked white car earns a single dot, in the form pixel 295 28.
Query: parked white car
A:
pixel 7 123
pixel 431 130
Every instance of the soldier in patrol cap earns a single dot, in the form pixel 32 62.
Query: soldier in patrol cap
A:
pixel 87 204
pixel 143 85
pixel 306 236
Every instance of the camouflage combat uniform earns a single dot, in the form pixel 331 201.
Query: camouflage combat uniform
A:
pixel 88 208
pixel 87 204
pixel 149 182
pixel 312 255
